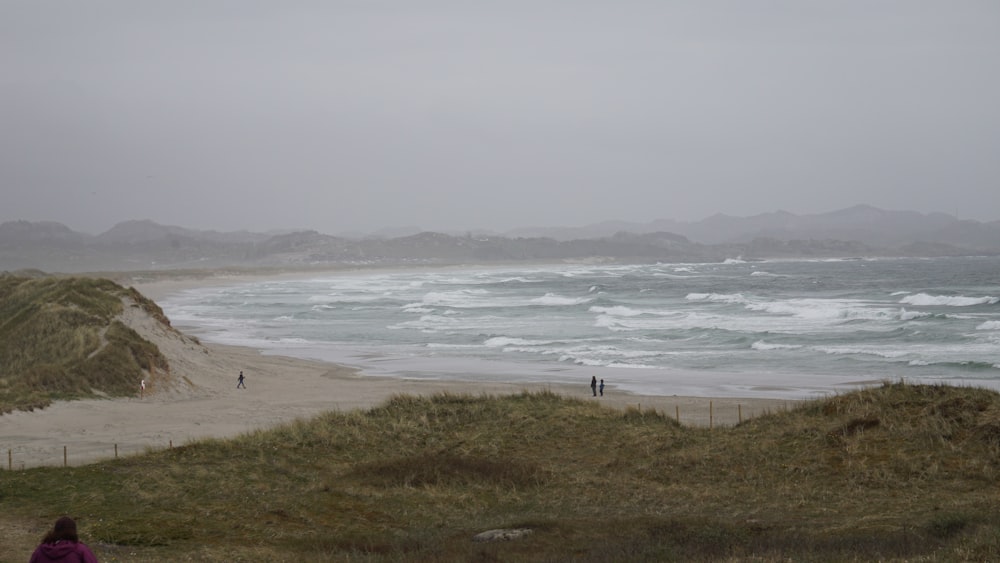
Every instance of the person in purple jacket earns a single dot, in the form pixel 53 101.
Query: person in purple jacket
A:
pixel 61 544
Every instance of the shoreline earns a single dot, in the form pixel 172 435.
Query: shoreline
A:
pixel 377 363
pixel 281 390
pixel 199 400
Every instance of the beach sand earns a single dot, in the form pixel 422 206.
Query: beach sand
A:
pixel 198 399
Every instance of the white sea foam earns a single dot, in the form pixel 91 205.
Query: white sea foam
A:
pixel 410 309
pixel 502 341
pixel 905 315
pixel 447 346
pixel 610 323
pixel 336 298
pixel 892 353
pixel 603 363
pixel 764 346
pixel 450 323
pixel 618 311
pixel 465 298
pixel 923 299
pixel 831 309
pixel 989 325
pixel 553 300
pixel 717 297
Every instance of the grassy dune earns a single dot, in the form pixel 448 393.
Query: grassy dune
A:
pixel 896 472
pixel 59 339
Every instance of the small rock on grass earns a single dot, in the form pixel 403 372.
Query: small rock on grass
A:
pixel 503 534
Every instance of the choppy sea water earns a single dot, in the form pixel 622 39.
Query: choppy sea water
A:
pixel 789 329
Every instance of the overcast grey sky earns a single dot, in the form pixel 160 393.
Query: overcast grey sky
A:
pixel 356 115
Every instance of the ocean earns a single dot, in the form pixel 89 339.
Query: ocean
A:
pixel 781 329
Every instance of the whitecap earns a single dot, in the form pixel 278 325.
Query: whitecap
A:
pixel 610 323
pixel 617 310
pixel 764 346
pixel 862 350
pixel 905 315
pixel 923 299
pixel 503 341
pixel 553 300
pixel 717 297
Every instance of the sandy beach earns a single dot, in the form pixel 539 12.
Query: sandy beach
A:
pixel 198 399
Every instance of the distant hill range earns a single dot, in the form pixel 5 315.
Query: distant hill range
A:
pixel 859 231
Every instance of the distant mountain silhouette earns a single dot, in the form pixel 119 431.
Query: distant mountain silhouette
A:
pixel 857 231
pixel 860 223
pixel 13 231
pixel 148 231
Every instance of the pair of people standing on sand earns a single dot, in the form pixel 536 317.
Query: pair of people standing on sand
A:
pixel 594 387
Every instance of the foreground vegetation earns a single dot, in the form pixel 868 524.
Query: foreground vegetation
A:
pixel 896 472
pixel 59 339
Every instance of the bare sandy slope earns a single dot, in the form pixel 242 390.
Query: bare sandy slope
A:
pixel 198 399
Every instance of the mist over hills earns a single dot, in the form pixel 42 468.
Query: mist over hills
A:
pixel 857 231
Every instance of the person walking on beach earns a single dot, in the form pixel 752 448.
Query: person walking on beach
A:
pixel 239 382
pixel 602 387
pixel 593 385
pixel 62 544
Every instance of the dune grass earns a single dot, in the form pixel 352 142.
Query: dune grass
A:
pixel 59 340
pixel 892 473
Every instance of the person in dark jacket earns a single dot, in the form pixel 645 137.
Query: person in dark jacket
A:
pixel 593 385
pixel 62 545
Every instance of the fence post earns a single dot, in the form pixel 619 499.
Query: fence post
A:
pixel 116 451
pixel 65 462
pixel 739 409
pixel 711 416
pixel 677 413
pixel 10 460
